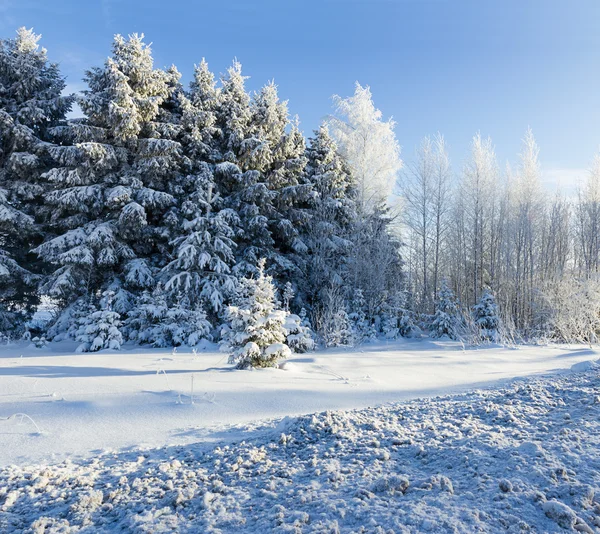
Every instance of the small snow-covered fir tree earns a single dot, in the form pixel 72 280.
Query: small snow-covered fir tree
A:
pixel 407 326
pixel 142 324
pixel 256 335
pixel 446 321
pixel 486 317
pixel 101 328
pixel 361 328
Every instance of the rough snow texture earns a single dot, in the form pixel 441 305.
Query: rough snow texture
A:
pixel 524 458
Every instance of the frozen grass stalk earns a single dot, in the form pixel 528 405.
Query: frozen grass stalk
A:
pixel 22 416
pixel 158 371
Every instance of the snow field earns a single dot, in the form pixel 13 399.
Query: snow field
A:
pixel 89 404
pixel 519 458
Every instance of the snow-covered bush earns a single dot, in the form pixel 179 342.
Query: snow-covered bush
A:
pixel 299 335
pixel 100 329
pixel 181 325
pixel 572 311
pixel 256 335
pixel 486 317
pixel 446 321
pixel 153 321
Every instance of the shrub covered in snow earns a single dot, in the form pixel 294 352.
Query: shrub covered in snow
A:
pixel 299 335
pixel 154 322
pixel 256 335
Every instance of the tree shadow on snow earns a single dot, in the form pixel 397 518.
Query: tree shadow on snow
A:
pixel 65 371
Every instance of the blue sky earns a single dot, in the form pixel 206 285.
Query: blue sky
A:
pixel 457 67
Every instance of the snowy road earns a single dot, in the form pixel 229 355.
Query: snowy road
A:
pixel 523 458
pixel 85 404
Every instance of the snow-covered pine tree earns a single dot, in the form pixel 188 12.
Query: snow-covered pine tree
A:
pixel 326 234
pixel 256 336
pixel 182 324
pixel 241 187
pixel 278 152
pixel 263 184
pixel 109 199
pixel 204 252
pixel 446 320
pixel 31 105
pixel 142 324
pixel 486 317
pixel 100 328
pixel 233 116
pixel 202 135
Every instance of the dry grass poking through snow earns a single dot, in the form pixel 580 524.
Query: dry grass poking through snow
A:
pixel 523 458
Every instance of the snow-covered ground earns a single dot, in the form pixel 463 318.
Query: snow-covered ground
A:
pixel 524 457
pixel 85 404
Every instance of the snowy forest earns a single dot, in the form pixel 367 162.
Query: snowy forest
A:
pixel 167 215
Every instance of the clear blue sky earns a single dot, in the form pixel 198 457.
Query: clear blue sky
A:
pixel 453 66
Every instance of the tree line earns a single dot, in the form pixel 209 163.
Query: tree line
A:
pixel 145 219
pixel 168 214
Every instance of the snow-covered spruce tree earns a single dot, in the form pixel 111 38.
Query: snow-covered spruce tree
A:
pixel 486 317
pixel 201 133
pixel 182 324
pixel 260 177
pixel 360 325
pixel 256 335
pixel 242 188
pixel 142 324
pixel 31 105
pixel 326 235
pixel 446 320
pixel 279 155
pixel 109 202
pixel 100 328
pixel 204 252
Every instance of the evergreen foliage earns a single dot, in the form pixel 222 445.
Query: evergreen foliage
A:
pixel 185 209
pixel 256 334
pixel 446 321
pixel 486 317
